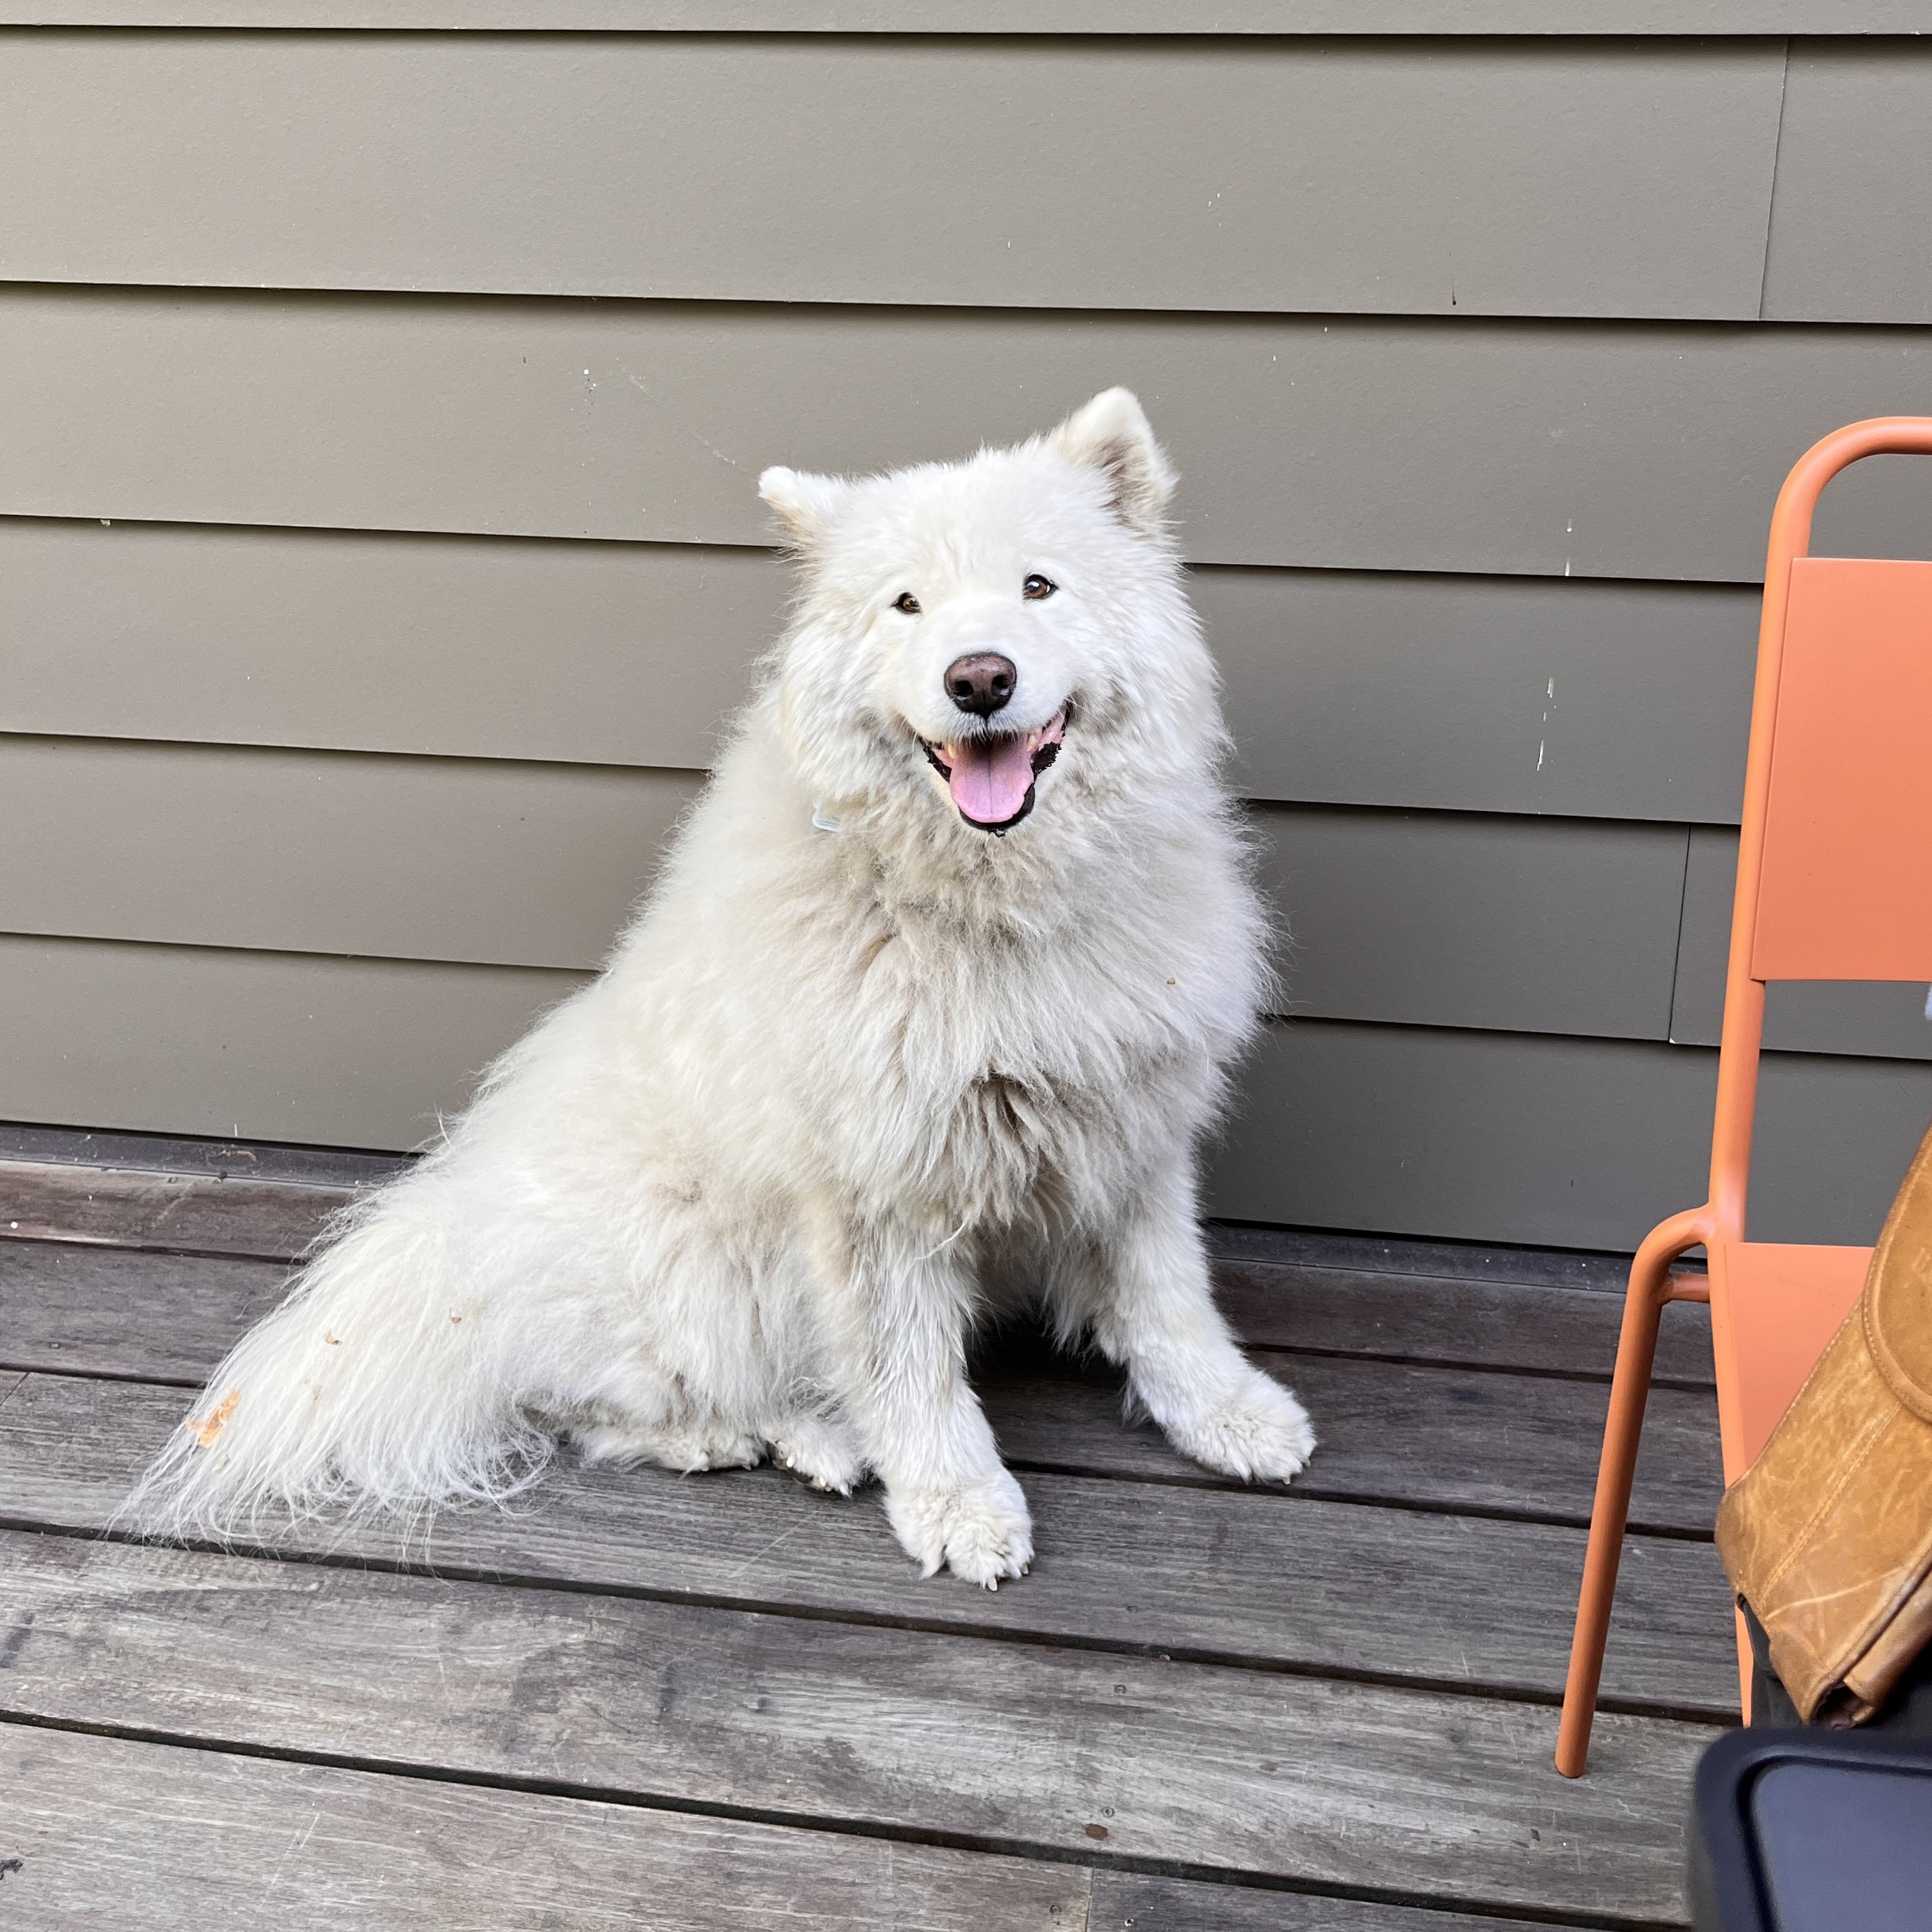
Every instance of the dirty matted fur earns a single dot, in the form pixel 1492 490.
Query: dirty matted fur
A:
pixel 867 1066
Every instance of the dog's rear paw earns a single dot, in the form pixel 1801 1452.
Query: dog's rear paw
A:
pixel 980 1531
pixel 687 1448
pixel 821 1451
pixel 1260 1433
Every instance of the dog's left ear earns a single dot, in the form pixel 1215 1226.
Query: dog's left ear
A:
pixel 805 503
pixel 1111 434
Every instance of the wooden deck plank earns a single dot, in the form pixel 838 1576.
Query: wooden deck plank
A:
pixel 1420 1794
pixel 1349 1310
pixel 1427 1318
pixel 1446 1260
pixel 97 1821
pixel 127 1207
pixel 1450 1438
pixel 1129 1902
pixel 119 1836
pixel 114 1311
pixel 252 1160
pixel 1376 1255
pixel 148 1307
pixel 1270 1579
pixel 82 1310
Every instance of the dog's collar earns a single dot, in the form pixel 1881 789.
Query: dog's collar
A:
pixel 823 821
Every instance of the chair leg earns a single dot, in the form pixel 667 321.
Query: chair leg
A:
pixel 1623 1430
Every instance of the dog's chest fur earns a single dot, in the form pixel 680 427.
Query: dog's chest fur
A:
pixel 1041 1068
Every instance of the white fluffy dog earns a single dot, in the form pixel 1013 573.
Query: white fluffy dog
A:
pixel 924 1019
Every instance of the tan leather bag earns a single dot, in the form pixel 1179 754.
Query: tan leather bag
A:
pixel 1828 1535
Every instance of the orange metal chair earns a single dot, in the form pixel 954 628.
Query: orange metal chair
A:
pixel 1834 882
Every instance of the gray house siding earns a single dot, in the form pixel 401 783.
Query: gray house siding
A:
pixel 1440 18
pixel 381 558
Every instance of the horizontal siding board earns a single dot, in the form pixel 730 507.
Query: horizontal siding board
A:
pixel 1436 919
pixel 263 1045
pixel 328 852
pixel 1683 17
pixel 1537 926
pixel 1573 1143
pixel 1847 241
pixel 616 654
pixel 1595 449
pixel 1492 1136
pixel 1475 693
pixel 1452 693
pixel 1884 1021
pixel 1489 1136
pixel 1835 1136
pixel 1888 1021
pixel 1539 177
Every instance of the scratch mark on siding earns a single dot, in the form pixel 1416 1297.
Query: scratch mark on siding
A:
pixel 1770 194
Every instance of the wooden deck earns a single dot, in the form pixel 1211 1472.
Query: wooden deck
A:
pixel 692 1703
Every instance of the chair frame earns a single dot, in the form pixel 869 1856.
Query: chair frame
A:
pixel 1653 1281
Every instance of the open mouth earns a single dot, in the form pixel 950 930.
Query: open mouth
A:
pixel 990 778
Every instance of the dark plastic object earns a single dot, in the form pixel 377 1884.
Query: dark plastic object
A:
pixel 1813 1830
pixel 1907 1712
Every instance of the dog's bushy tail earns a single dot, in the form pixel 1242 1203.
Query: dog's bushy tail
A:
pixel 377 1387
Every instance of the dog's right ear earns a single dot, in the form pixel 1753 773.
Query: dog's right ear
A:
pixel 805 503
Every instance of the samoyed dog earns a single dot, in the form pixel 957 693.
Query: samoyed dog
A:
pixel 922 1022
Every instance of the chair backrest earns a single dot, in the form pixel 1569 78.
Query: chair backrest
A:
pixel 1845 876
pixel 1835 862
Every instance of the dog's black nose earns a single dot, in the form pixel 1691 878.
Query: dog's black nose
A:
pixel 981 685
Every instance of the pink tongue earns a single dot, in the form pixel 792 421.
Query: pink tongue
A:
pixel 990 777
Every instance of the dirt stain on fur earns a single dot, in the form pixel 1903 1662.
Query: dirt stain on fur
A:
pixel 208 1428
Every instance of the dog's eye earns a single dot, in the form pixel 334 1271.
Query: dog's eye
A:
pixel 1037 586
pixel 907 602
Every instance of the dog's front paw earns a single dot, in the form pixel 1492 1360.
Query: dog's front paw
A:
pixel 982 1531
pixel 1259 1433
